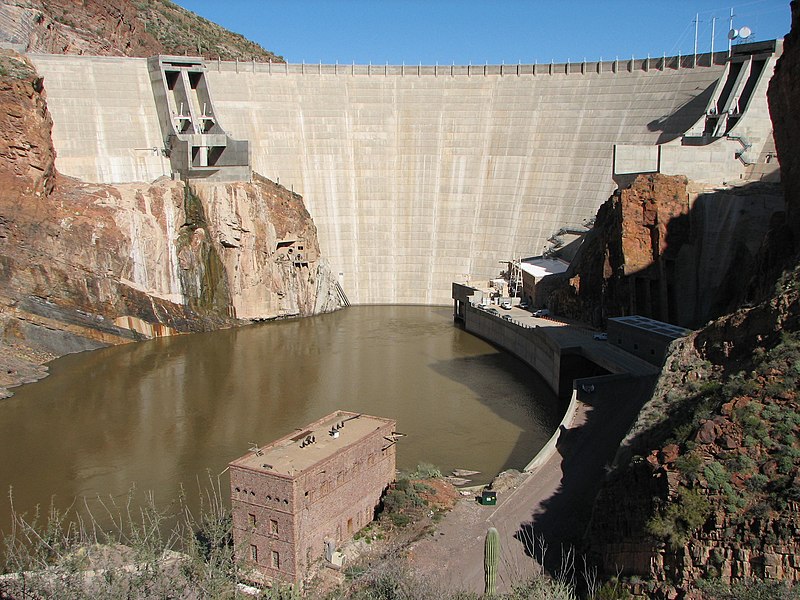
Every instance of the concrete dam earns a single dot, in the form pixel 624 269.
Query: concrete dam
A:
pixel 417 176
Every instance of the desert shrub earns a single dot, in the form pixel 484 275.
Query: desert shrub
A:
pixel 402 497
pixel 740 463
pixel 612 590
pixel 761 510
pixel 734 499
pixel 751 589
pixel 542 588
pixel 674 522
pixel 48 556
pixel 757 482
pixel 716 475
pixel 689 465
pixel 426 471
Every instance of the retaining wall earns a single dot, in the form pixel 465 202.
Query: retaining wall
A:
pixel 527 343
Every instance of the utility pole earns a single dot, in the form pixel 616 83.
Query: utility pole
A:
pixel 696 25
pixel 730 39
pixel 713 28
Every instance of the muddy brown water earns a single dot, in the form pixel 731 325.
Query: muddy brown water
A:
pixel 164 413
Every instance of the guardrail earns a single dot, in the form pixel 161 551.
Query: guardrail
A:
pixel 584 67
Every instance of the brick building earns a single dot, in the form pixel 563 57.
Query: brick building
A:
pixel 309 491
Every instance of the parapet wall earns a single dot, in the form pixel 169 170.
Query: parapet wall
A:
pixel 415 175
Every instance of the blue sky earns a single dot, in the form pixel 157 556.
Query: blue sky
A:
pixel 493 31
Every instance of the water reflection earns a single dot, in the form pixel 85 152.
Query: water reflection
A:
pixel 164 413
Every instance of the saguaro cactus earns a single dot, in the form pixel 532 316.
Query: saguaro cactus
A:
pixel 490 552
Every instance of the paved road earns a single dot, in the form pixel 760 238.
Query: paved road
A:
pixel 553 502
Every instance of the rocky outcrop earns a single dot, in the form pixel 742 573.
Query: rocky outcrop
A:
pixel 706 485
pixel 26 149
pixel 661 249
pixel 120 28
pixel 85 265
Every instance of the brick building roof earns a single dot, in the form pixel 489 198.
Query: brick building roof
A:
pixel 298 451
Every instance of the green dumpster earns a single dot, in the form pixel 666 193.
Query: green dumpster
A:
pixel 488 498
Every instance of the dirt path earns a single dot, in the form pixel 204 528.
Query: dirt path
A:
pixel 553 502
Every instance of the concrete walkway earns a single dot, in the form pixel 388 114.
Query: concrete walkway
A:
pixel 552 503
pixel 569 334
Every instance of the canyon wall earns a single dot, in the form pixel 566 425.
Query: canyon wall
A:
pixel 84 265
pixel 706 485
pixel 664 249
pixel 119 28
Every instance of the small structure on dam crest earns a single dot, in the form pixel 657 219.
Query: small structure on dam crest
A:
pixel 295 500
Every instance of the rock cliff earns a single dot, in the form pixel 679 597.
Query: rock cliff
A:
pixel 663 249
pixel 85 265
pixel 705 489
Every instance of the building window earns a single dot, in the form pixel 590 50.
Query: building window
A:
pixel 252 520
pixel 349 526
pixel 273 527
pixel 253 553
pixel 276 560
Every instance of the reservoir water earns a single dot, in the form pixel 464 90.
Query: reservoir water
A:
pixel 164 413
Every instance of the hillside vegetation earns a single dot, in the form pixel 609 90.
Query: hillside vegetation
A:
pixel 121 28
pixel 704 495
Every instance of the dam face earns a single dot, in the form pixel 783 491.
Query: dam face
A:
pixel 415 176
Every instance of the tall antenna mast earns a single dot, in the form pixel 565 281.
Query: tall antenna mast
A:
pixel 730 28
pixel 713 27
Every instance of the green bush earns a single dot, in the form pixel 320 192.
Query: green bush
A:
pixel 750 589
pixel 399 519
pixel 689 465
pixel 740 463
pixel 757 482
pixel 716 475
pixel 612 590
pixel 680 517
pixel 426 471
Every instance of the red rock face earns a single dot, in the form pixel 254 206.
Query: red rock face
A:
pixel 635 230
pixel 657 251
pixel 26 149
pixel 86 265
pixel 648 208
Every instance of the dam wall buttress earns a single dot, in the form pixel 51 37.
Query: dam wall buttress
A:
pixel 105 123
